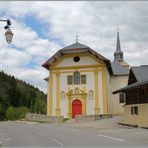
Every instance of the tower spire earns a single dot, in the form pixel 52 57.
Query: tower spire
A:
pixel 118 47
pixel 118 54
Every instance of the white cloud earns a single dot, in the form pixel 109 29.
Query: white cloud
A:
pixel 13 58
pixel 23 35
pixel 42 47
pixel 33 76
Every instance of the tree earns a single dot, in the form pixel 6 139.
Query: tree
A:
pixel 2 113
pixel 40 105
pixel 16 93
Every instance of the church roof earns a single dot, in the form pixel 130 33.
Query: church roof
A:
pixel 118 69
pixel 123 63
pixel 76 45
pixel 76 48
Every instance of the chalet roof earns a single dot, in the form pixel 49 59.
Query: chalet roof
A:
pixel 118 69
pixel 141 75
pixel 132 86
pixel 76 48
pixel 140 72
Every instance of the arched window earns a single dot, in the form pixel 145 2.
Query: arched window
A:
pixel 76 77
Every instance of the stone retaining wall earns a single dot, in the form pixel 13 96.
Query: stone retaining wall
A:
pixel 44 118
pixel 86 118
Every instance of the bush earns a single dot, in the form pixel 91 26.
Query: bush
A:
pixel 16 113
pixel 22 111
pixel 40 106
pixel 11 113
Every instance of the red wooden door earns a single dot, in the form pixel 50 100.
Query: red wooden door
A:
pixel 76 108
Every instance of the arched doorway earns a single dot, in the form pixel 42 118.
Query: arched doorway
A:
pixel 76 108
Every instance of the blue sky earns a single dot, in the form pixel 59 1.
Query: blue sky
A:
pixel 41 28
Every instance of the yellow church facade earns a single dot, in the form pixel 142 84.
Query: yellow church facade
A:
pixel 79 82
pixel 77 75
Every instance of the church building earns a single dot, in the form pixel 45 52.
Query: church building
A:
pixel 81 81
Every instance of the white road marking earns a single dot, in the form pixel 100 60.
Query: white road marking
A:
pixel 111 138
pixel 0 142
pixel 30 122
pixel 114 130
pixel 57 141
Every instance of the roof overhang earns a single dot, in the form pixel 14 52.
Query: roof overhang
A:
pixel 132 86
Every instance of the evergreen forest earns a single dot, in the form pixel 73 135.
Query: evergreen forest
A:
pixel 18 97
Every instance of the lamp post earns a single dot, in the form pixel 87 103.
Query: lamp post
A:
pixel 8 33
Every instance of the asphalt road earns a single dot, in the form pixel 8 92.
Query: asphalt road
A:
pixel 19 134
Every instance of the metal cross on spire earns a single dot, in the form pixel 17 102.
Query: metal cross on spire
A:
pixel 77 38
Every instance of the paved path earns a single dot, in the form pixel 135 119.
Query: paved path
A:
pixel 36 134
pixel 106 124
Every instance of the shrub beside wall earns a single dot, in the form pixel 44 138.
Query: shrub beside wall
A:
pixel 16 113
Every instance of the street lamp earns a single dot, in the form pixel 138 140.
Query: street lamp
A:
pixel 8 33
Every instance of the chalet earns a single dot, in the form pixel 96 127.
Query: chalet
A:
pixel 136 97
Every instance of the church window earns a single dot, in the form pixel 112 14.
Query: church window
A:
pixel 83 79
pixel 76 59
pixel 69 80
pixel 76 77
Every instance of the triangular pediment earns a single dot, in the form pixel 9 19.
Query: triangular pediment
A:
pixel 78 49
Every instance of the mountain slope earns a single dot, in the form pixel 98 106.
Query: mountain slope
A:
pixel 17 93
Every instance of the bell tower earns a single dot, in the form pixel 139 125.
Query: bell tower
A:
pixel 118 54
